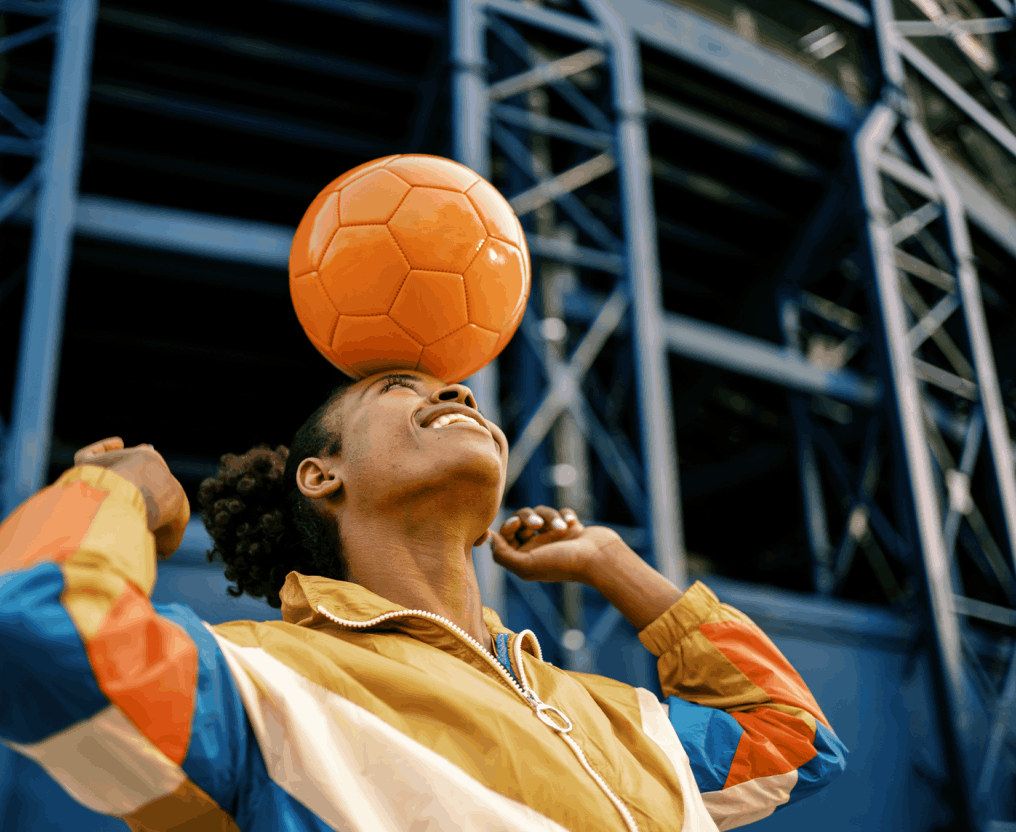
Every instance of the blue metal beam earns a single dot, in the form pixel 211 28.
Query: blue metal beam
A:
pixel 201 235
pixel 390 15
pixel 693 38
pixel 27 452
pixel 323 63
pixel 562 24
pixel 242 120
pixel 754 357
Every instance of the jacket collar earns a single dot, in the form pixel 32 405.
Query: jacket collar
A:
pixel 303 594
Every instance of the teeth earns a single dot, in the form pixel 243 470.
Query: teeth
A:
pixel 451 418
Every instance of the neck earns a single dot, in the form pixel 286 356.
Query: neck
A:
pixel 425 565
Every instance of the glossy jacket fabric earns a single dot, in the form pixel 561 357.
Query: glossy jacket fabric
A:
pixel 355 714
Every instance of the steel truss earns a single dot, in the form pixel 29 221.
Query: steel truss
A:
pixel 601 141
pixel 901 487
pixel 914 365
pixel 55 145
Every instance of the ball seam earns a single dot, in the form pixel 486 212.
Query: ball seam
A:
pixel 405 277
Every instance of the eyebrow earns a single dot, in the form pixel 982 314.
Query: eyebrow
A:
pixel 414 381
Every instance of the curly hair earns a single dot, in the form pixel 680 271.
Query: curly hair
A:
pixel 262 526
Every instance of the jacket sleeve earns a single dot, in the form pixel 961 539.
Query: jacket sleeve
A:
pixel 755 736
pixel 130 708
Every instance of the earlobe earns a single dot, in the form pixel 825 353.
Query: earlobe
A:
pixel 316 478
pixel 482 538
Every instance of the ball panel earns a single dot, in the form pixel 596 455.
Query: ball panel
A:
pixel 430 305
pixel 495 283
pixel 437 230
pixel 370 344
pixel 460 354
pixel 313 307
pixel 420 169
pixel 372 198
pixel 348 177
pixel 315 231
pixel 513 320
pixel 495 212
pixel 363 269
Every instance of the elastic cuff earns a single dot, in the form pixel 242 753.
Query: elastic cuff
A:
pixel 695 607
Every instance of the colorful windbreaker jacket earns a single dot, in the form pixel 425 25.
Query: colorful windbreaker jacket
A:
pixel 356 714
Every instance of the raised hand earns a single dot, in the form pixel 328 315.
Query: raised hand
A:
pixel 544 544
pixel 165 500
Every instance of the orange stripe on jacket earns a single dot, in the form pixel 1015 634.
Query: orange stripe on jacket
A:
pixel 759 659
pixel 772 743
pixel 50 526
pixel 148 668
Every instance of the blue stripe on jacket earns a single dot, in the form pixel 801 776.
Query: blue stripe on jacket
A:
pixel 220 730
pixel 50 683
pixel 711 736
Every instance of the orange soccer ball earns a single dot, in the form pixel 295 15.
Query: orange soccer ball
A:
pixel 410 262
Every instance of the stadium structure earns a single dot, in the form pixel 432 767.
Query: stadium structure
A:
pixel 771 338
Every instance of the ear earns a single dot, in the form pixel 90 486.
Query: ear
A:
pixel 482 538
pixel 317 478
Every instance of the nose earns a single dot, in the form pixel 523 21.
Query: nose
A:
pixel 455 393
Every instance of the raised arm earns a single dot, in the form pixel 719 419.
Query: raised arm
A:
pixel 133 712
pixel 754 734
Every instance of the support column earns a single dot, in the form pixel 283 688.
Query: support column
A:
pixel 26 447
pixel 470 126
pixel 651 353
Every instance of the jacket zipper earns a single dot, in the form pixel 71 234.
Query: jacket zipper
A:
pixel 540 708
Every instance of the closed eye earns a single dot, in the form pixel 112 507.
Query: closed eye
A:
pixel 399 381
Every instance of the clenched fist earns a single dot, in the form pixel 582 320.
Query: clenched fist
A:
pixel 165 501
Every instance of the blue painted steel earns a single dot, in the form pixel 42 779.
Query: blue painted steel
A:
pixel 21 120
pixel 305 58
pixel 755 357
pixel 923 513
pixel 549 20
pixel 27 452
pixel 13 199
pixel 238 119
pixel 847 10
pixel 471 144
pixel 201 235
pixel 517 45
pixel 35 33
pixel 390 15
pixel 733 138
pixel 584 256
pixel 546 126
pixel 520 156
pixel 651 356
pixel 698 40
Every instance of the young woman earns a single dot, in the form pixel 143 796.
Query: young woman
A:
pixel 388 698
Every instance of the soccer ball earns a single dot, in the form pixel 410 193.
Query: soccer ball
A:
pixel 410 262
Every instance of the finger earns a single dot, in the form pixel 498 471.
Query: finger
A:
pixel 571 518
pixel 504 553
pixel 552 520
pixel 110 443
pixel 510 526
pixel 530 517
pixel 530 524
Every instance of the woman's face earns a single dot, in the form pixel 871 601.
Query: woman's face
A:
pixel 395 445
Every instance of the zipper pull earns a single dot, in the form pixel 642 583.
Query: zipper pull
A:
pixel 559 722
